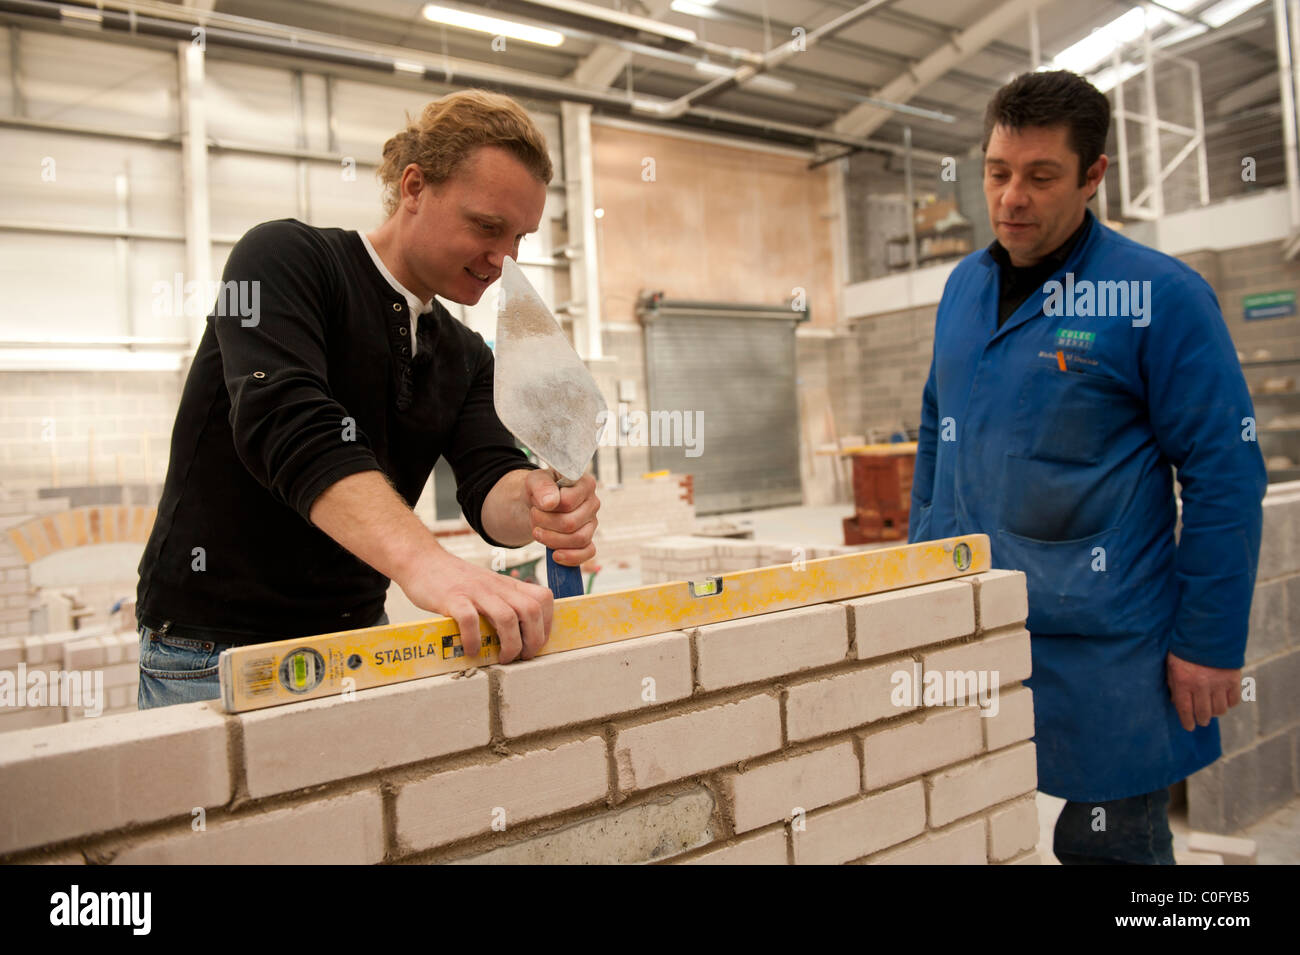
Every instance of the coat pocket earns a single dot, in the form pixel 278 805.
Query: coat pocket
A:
pixel 1072 585
pixel 1050 500
pixel 1069 415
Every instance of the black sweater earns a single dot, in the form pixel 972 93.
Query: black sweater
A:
pixel 317 385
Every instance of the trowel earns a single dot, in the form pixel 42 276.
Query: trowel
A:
pixel 545 395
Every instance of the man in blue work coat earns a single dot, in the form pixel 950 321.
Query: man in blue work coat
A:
pixel 1072 367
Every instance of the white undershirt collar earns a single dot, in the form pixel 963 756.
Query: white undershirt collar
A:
pixel 416 306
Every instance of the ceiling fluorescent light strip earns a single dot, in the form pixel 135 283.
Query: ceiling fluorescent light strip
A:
pixel 465 20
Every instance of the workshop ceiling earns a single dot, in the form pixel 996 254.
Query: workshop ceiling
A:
pixel 814 88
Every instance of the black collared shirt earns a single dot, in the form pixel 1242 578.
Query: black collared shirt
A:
pixel 1017 283
pixel 319 384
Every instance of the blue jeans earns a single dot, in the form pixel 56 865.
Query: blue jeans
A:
pixel 183 669
pixel 1131 831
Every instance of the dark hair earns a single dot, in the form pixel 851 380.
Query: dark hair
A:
pixel 1057 98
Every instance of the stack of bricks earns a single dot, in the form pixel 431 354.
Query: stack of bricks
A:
pixel 642 510
pixel 882 497
pixel 17 598
pixel 82 654
pixel 772 739
pixel 687 558
pixel 1260 769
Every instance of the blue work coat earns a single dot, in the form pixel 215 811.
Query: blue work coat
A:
pixel 1055 435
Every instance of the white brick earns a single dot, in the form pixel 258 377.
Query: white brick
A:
pixel 963 844
pixel 1013 829
pixel 766 794
pixel 1002 598
pixel 768 848
pixel 1197 858
pixel 913 617
pixel 592 683
pixel 1029 858
pixel 1234 851
pixel 11 652
pixel 113 652
pixel 1014 720
pixel 62 858
pixel 843 701
pixel 971 787
pixel 84 654
pixel 29 717
pixel 843 833
pixel 648 832
pixel 770 645
pixel 1004 654
pixel 690 743
pixel 901 751
pixel 317 741
pixel 122 674
pixel 60 782
pixel 344 830
pixel 465 802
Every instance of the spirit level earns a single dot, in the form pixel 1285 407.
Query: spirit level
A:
pixel 269 674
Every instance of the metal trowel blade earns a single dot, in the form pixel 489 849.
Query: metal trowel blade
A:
pixel 543 392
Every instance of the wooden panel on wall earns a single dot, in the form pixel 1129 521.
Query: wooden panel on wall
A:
pixel 717 223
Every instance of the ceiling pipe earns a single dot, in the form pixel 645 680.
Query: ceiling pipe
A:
pixel 773 58
pixel 866 119
pixel 174 23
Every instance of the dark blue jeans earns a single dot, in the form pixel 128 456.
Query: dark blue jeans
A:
pixel 183 669
pixel 1131 831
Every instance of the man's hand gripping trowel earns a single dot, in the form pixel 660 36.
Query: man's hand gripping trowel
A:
pixel 545 395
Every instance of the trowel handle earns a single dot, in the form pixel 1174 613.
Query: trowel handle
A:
pixel 563 580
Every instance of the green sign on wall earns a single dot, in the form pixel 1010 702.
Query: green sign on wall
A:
pixel 1269 305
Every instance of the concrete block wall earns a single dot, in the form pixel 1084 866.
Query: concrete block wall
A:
pixel 830 409
pixel 624 345
pixel 687 558
pixel 83 653
pixel 1260 768
pixel 1253 270
pixel 883 377
pixel 887 369
pixel 47 419
pixel 764 740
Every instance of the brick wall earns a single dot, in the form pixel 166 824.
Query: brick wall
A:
pixel 33 528
pixel 47 420
pixel 639 510
pixel 830 409
pixel 1260 768
pixel 769 739
pixel 83 653
pixel 887 369
pixel 17 596
pixel 688 558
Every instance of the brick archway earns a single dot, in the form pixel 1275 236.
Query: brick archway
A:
pixel 79 527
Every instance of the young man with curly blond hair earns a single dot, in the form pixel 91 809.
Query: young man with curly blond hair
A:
pixel 306 432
